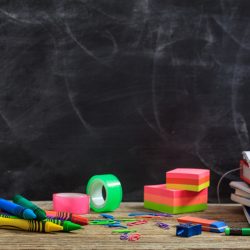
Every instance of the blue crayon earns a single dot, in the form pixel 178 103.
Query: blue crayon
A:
pixel 16 210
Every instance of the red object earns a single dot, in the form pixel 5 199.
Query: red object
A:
pixel 244 171
pixel 134 237
pixel 139 222
pixel 78 219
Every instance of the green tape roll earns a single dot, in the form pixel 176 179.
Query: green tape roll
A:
pixel 113 190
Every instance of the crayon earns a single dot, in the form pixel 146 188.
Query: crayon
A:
pixel 17 210
pixel 78 219
pixel 29 225
pixel 237 231
pixel 67 225
pixel 20 200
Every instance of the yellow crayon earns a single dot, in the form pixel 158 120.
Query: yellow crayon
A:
pixel 29 225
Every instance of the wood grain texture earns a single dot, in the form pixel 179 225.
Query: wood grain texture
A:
pixel 100 237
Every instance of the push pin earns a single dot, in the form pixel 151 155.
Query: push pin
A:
pixel 188 230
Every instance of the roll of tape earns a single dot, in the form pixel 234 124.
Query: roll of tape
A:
pixel 75 203
pixel 113 190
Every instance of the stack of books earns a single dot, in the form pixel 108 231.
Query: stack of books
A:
pixel 241 193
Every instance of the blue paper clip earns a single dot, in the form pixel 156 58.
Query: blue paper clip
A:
pixel 108 216
pixel 116 225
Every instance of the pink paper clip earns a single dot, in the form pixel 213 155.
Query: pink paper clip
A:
pixel 139 222
pixel 134 237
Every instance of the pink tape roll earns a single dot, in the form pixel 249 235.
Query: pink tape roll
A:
pixel 75 203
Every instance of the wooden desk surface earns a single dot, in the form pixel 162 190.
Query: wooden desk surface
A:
pixel 100 237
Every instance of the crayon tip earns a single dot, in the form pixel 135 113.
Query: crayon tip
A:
pixel 69 226
pixel 52 227
pixel 28 214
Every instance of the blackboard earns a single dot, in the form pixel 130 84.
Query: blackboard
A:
pixel 133 88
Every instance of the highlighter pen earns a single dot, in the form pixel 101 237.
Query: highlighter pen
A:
pixel 67 225
pixel 237 231
pixel 29 225
pixel 17 210
pixel 20 200
pixel 78 219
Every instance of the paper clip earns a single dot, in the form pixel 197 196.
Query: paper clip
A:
pixel 107 216
pixel 101 222
pixel 162 225
pixel 134 237
pixel 150 214
pixel 125 220
pixel 139 222
pixel 116 225
pixel 124 236
pixel 120 231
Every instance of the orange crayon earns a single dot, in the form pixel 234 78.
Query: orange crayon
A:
pixel 78 219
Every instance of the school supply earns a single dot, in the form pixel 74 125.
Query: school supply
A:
pixel 241 188
pixel 241 200
pixel 124 236
pixel 245 171
pixel 139 214
pixel 101 222
pixel 207 225
pixel 67 225
pixel 188 230
pixel 78 219
pixel 119 231
pixel 237 231
pixel 113 190
pixel 29 225
pixel 246 156
pixel 190 179
pixel 76 203
pixel 162 225
pixel 159 198
pixel 20 200
pixel 139 222
pixel 246 211
pixel 16 210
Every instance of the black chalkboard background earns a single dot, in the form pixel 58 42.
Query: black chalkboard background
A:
pixel 133 88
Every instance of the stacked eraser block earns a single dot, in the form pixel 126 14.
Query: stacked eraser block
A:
pixel 158 197
pixel 188 179
pixel 185 191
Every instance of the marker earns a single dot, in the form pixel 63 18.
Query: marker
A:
pixel 20 200
pixel 67 225
pixel 17 210
pixel 237 231
pixel 29 225
pixel 67 216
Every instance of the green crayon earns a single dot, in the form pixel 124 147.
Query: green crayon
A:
pixel 20 200
pixel 67 225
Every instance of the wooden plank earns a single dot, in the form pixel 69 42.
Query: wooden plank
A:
pixel 100 237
